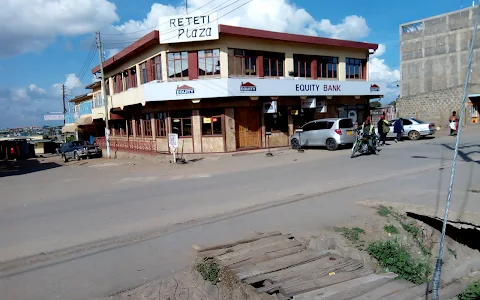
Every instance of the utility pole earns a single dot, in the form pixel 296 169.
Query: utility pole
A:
pixel 64 108
pixel 186 6
pixel 104 94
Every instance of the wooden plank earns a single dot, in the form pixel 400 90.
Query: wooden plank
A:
pixel 274 252
pixel 278 264
pixel 387 289
pixel 296 287
pixel 249 247
pixel 311 274
pixel 317 265
pixel 219 252
pixel 349 289
pixel 238 242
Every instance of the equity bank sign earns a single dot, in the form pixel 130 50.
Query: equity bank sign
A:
pixel 184 90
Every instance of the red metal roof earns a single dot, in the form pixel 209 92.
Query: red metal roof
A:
pixel 153 38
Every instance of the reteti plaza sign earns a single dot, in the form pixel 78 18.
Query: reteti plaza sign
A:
pixel 188 28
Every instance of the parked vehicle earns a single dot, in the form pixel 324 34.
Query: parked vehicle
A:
pixel 330 133
pixel 361 144
pixel 413 128
pixel 78 150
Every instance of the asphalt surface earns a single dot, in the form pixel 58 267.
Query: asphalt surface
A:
pixel 90 231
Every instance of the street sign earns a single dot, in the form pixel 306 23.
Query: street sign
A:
pixel 173 140
pixel 53 117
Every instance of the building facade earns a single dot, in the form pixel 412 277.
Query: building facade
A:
pixel 226 93
pixel 81 113
pixel 433 61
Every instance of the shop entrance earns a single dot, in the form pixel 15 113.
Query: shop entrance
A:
pixel 301 116
pixel 247 127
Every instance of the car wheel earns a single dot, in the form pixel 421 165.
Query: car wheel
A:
pixel 65 159
pixel 331 145
pixel 414 135
pixel 76 156
pixel 295 144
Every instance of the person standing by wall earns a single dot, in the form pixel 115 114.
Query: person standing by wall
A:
pixel 453 120
pixel 398 129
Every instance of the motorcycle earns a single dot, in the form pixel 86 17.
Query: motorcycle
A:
pixel 361 144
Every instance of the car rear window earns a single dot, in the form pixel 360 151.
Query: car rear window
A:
pixel 418 121
pixel 345 123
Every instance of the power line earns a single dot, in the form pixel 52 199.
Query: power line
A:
pixel 229 12
pixel 151 28
pixel 86 65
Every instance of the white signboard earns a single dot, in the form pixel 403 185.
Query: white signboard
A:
pixel 309 103
pixel 53 117
pixel 270 107
pixel 237 87
pixel 173 140
pixel 188 28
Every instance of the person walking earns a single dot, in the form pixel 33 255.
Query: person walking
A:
pixel 383 130
pixel 398 129
pixel 453 120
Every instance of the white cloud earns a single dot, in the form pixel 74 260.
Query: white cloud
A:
pixel 27 106
pixel 30 25
pixel 275 15
pixel 380 71
pixel 380 51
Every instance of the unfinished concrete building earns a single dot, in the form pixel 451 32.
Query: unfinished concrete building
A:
pixel 433 61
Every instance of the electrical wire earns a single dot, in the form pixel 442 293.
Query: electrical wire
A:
pixel 438 266
pixel 215 9
pixel 85 68
pixel 151 28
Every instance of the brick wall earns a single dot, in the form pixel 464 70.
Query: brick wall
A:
pixel 434 107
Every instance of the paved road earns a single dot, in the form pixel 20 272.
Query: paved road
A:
pixel 130 226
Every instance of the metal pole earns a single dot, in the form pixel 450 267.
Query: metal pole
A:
pixel 64 110
pixel 438 267
pixel 186 6
pixel 104 94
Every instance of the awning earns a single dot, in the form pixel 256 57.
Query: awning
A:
pixel 84 120
pixel 69 128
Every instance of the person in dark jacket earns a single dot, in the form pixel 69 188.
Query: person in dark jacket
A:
pixel 383 129
pixel 398 129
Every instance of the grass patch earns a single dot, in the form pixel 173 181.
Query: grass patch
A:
pixel 452 252
pixel 383 211
pixel 475 191
pixel 209 270
pixel 391 229
pixel 352 234
pixel 410 228
pixel 471 293
pixel 396 258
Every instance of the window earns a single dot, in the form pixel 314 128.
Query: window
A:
pixel 319 125
pixel 209 62
pixel 277 122
pixel 143 73
pixel 133 77
pixel 406 122
pixel 157 67
pixel 327 67
pixel 177 64
pixel 182 123
pixel 117 84
pixel 345 123
pixel 302 66
pixel 242 62
pixel 160 124
pixel 126 80
pixel 273 64
pixel 77 108
pixel 355 68
pixel 212 121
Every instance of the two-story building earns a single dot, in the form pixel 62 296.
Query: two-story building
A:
pixel 224 92
pixel 84 114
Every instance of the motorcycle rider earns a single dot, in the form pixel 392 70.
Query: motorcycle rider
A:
pixel 369 131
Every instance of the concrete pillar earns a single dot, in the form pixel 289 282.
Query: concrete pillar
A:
pixel 262 130
pixel 230 138
pixel 153 124
pixel 163 58
pixel 134 126
pixel 342 68
pixel 197 131
pixel 224 62
pixel 137 73
pixel 289 64
pixel 290 123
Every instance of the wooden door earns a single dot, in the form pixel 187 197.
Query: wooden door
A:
pixel 247 127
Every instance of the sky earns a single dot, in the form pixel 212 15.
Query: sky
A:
pixel 47 43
